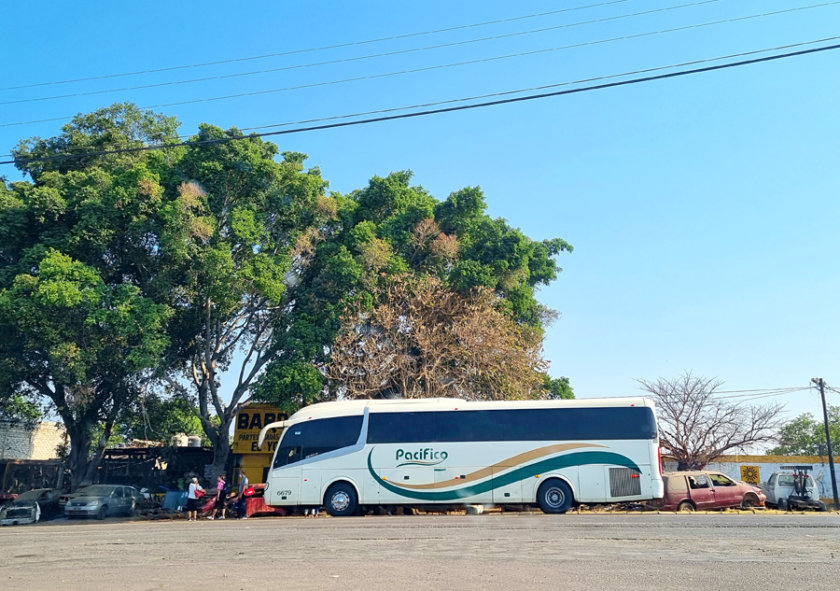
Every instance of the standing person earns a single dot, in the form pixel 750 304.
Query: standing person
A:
pixel 194 493
pixel 241 510
pixel 219 506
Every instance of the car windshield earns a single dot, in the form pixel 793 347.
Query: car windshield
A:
pixel 31 495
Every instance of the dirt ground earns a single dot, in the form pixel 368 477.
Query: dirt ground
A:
pixel 509 551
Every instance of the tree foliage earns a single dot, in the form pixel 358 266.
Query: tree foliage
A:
pixel 71 338
pixel 219 269
pixel 150 417
pixel 424 341
pixel 80 272
pixel 557 388
pixel 696 426
pixel 239 229
pixel 388 234
pixel 805 435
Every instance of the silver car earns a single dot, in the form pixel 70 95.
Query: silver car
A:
pixel 101 500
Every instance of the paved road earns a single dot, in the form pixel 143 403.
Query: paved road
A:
pixel 508 552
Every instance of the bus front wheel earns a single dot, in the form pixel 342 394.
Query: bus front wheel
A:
pixel 554 496
pixel 341 500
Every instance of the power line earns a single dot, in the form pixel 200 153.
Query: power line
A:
pixel 315 49
pixel 442 110
pixel 411 50
pixel 509 92
pixel 761 392
pixel 442 66
pixel 535 88
pixel 758 394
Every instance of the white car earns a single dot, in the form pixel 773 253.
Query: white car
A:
pixel 20 514
pixel 784 493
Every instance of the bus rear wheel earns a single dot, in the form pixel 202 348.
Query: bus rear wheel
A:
pixel 554 496
pixel 341 500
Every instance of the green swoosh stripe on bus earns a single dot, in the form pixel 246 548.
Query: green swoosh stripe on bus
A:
pixel 565 461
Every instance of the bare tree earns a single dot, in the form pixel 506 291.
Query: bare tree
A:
pixel 425 341
pixel 696 426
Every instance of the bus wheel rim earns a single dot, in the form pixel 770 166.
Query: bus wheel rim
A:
pixel 555 496
pixel 340 500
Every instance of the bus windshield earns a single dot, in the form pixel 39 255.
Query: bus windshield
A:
pixel 311 438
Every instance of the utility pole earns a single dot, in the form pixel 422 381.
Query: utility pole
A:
pixel 821 383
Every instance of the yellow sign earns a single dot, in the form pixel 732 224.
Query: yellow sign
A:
pixel 249 421
pixel 750 474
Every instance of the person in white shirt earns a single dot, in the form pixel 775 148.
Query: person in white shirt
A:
pixel 194 493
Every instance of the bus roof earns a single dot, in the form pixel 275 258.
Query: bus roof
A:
pixel 356 407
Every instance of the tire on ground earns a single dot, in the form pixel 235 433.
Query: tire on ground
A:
pixel 341 500
pixel 554 496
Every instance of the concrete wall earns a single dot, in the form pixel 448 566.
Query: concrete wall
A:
pixel 759 468
pixel 21 442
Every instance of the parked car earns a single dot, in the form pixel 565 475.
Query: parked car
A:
pixel 793 489
pixel 19 514
pixel 689 491
pixel 64 498
pixel 101 500
pixel 45 498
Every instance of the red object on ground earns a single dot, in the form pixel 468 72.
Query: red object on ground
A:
pixel 205 505
pixel 257 506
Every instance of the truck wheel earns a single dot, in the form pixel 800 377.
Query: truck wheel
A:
pixel 554 496
pixel 685 507
pixel 341 500
pixel 783 504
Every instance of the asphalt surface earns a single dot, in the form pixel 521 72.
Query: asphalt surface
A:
pixel 509 551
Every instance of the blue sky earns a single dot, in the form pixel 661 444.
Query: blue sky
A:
pixel 703 209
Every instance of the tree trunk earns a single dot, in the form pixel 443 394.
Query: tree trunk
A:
pixel 220 441
pixel 96 459
pixel 80 442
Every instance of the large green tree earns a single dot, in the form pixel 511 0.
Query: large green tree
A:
pixel 387 230
pixel 240 229
pixel 81 271
pixel 241 255
pixel 805 435
pixel 72 339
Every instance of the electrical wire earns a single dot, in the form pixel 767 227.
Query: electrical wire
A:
pixel 631 81
pixel 534 88
pixel 405 51
pixel 440 66
pixel 501 93
pixel 760 394
pixel 315 49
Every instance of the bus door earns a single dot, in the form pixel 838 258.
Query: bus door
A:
pixel 310 484
pixel 285 477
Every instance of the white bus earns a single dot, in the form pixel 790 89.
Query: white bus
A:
pixel 347 455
